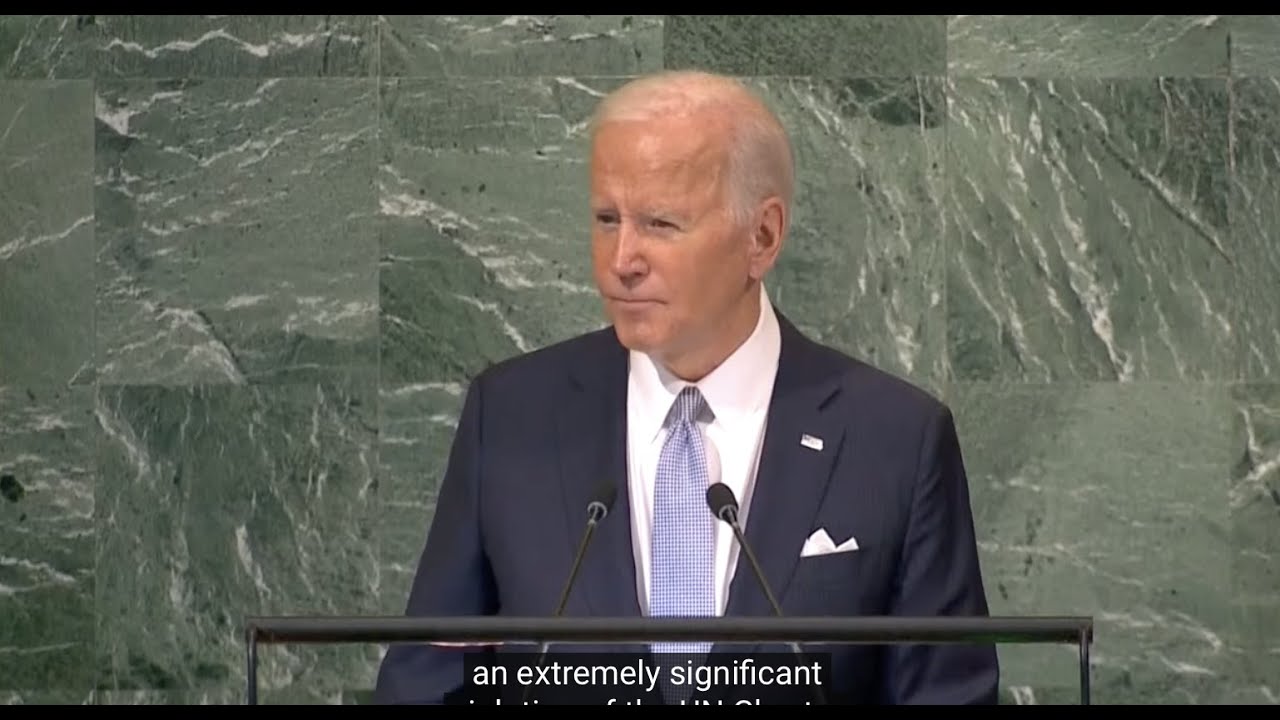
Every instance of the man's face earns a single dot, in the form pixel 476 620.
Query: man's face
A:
pixel 670 265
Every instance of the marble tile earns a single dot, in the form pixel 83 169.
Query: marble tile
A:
pixel 863 266
pixel 415 432
pixel 1092 46
pixel 216 502
pixel 719 43
pixel 485 227
pixel 1255 539
pixel 1255 224
pixel 1255 45
pixel 46 541
pixel 184 46
pixel 519 45
pixel 176 46
pixel 47 46
pixel 1107 500
pixel 47 697
pixel 217 696
pixel 1255 495
pixel 230 696
pixel 236 230
pixel 1064 668
pixel 1257 679
pixel 823 45
pixel 1087 230
pixel 485 232
pixel 46 233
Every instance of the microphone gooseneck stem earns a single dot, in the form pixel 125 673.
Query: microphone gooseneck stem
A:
pixel 732 519
pixel 730 516
pixel 577 563
pixel 595 515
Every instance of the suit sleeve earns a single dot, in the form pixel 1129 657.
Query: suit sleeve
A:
pixel 938 575
pixel 453 577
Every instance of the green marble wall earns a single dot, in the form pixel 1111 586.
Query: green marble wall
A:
pixel 248 265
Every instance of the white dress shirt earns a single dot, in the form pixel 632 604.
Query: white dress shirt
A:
pixel 737 394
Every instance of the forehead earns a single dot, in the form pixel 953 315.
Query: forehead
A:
pixel 664 151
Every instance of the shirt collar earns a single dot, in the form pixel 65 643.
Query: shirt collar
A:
pixel 735 391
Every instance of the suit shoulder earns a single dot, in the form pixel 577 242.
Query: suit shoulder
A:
pixel 889 394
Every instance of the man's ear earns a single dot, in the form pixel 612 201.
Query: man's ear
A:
pixel 768 233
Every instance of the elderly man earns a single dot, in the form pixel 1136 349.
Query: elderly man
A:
pixel 851 483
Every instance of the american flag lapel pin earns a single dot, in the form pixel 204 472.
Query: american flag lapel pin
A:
pixel 811 442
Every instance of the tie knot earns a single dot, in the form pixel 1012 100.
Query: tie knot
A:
pixel 688 405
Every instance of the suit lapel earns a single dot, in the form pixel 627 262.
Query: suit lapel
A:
pixel 791 480
pixel 802 441
pixel 592 436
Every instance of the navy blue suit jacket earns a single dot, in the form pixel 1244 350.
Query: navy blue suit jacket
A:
pixel 537 434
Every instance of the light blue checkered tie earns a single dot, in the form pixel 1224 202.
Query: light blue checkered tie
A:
pixel 683 577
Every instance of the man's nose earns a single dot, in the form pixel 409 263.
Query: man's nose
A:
pixel 628 255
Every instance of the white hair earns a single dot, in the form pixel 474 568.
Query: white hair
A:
pixel 760 157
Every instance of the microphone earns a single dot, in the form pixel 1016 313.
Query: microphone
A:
pixel 724 505
pixel 597 510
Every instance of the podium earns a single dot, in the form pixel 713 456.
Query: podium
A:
pixel 588 630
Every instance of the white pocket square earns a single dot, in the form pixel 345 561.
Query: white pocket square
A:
pixel 820 543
